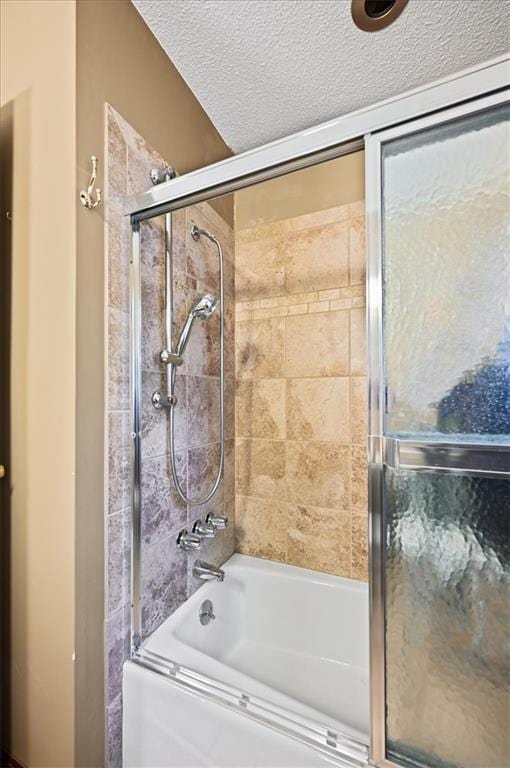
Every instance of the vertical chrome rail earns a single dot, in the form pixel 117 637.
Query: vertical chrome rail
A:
pixel 135 317
pixel 373 188
pixel 420 456
pixel 169 298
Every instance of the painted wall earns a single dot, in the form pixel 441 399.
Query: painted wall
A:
pixel 61 61
pixel 301 408
pixel 38 89
pixel 337 182
pixel 118 62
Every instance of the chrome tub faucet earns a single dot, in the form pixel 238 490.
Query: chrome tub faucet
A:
pixel 206 572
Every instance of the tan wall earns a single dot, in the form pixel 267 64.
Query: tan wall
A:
pixel 38 84
pixel 337 182
pixel 120 62
pixel 301 405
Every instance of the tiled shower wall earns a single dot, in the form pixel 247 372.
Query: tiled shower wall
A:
pixel 301 402
pixel 166 575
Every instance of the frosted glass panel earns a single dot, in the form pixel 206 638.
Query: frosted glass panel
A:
pixel 447 280
pixel 447 620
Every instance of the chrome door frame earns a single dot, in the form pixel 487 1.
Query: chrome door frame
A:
pixel 330 140
pixel 319 143
pixel 487 460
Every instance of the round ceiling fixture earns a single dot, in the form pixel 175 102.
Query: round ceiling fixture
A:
pixel 372 15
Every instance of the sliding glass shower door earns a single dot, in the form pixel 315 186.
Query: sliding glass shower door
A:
pixel 439 315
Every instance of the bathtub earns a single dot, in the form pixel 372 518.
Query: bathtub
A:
pixel 295 640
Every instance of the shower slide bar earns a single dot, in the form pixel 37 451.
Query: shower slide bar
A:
pixel 346 751
pixel 488 460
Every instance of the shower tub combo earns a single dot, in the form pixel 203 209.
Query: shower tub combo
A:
pixel 267 663
pixel 282 645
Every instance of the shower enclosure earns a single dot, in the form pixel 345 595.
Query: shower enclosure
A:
pixel 438 288
pixel 439 330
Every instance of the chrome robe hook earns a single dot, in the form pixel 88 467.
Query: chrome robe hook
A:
pixel 86 196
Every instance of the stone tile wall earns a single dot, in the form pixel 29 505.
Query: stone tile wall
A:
pixel 301 429
pixel 166 571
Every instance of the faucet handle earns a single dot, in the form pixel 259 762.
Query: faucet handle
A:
pixel 218 522
pixel 188 541
pixel 205 530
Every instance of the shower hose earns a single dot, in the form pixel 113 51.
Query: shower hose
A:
pixel 196 233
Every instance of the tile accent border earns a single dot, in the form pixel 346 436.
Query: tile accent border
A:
pixel 301 400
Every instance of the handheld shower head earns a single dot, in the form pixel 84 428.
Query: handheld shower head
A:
pixel 202 307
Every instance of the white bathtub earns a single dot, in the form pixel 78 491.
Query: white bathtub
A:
pixel 293 637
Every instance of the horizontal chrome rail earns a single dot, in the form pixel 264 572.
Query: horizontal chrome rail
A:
pixel 305 147
pixel 346 751
pixel 490 459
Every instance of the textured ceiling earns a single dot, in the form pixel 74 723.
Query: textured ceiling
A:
pixel 263 69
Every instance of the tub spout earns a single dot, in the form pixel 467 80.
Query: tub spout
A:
pixel 207 572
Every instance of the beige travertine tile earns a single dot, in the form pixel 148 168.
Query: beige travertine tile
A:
pixel 230 408
pixel 260 408
pixel 116 181
pixel 319 539
pixel 318 409
pixel 260 348
pixel 318 465
pixel 341 304
pixel 179 236
pixel 261 527
pixel 262 314
pixel 318 474
pixel 263 232
pixel 217 225
pixel 317 258
pixel 203 406
pixel 260 269
pixel 359 546
pixel 358 342
pixel 267 303
pixel 203 350
pixel 141 157
pixel 260 468
pixel 317 345
pixel 356 209
pixel 329 294
pixel 118 359
pixel 318 306
pixel 229 341
pixel 298 309
pixel 359 410
pixel 357 251
pixel 248 305
pixel 359 479
pixel 118 232
pixel 319 218
pixel 351 291
pixel 301 298
pixel 202 255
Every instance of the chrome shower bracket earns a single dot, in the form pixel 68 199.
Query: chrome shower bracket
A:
pixel 160 400
pixel 160 175
pixel 86 195
pixel 170 358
